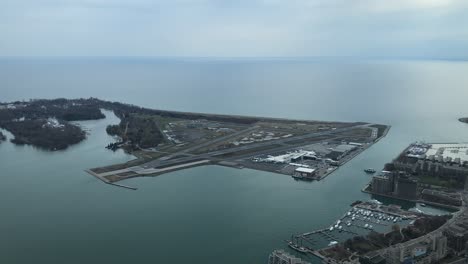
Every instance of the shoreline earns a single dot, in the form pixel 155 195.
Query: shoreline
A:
pixel 147 169
pixel 110 183
pixel 444 206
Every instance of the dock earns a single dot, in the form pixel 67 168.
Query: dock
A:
pixel 110 183
pixel 322 238
pixel 137 171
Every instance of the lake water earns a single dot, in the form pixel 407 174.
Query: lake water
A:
pixel 53 212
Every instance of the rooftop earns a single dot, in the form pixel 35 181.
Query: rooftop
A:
pixel 344 148
pixel 306 170
pixel 456 152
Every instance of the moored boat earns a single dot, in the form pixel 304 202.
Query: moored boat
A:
pixel 297 247
pixel 332 243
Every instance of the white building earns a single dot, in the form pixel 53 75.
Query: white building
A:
pixel 443 152
pixel 304 172
pixel 292 157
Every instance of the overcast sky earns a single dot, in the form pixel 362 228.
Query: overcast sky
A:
pixel 235 28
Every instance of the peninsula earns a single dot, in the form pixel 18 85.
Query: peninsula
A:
pixel 165 141
pixel 424 173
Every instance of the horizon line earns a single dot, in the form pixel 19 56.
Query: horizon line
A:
pixel 230 58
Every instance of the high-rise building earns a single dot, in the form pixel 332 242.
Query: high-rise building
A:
pixel 406 187
pixel 281 257
pixel 457 235
pixel 382 184
pixel 426 249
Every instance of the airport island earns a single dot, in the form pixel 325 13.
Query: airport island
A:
pixel 165 141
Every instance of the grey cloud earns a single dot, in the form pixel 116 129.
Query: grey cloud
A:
pixel 419 28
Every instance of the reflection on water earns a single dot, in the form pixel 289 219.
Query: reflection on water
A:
pixel 55 212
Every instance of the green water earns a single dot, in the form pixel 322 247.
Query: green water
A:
pixel 53 212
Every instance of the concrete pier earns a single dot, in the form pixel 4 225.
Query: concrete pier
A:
pixel 110 183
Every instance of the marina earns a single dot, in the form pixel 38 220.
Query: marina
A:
pixel 360 220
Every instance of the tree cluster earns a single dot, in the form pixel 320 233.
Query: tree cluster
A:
pixel 38 133
pixel 138 130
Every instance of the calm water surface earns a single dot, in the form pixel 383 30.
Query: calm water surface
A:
pixel 53 212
